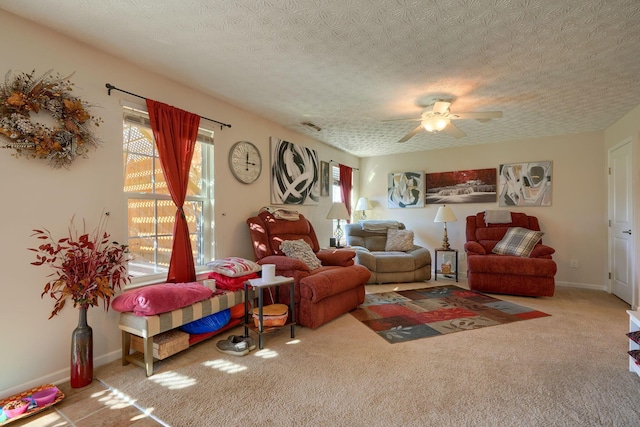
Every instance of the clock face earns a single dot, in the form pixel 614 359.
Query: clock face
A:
pixel 245 162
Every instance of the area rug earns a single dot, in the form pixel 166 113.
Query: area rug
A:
pixel 420 313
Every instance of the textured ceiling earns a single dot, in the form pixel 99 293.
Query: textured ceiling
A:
pixel 552 66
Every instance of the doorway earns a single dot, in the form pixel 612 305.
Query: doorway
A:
pixel 621 231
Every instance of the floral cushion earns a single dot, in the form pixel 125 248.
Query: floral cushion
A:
pixel 234 266
pixel 518 241
pixel 399 240
pixel 634 336
pixel 301 250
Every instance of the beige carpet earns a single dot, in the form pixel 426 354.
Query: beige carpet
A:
pixel 569 369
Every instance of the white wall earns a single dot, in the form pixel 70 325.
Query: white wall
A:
pixel 575 223
pixel 36 350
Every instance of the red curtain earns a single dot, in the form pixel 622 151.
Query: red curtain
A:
pixel 346 184
pixel 175 132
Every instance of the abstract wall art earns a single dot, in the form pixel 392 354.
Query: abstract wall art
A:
pixel 465 186
pixel 295 172
pixel 405 190
pixel 325 181
pixel 525 184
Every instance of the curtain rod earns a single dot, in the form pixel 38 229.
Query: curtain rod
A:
pixel 111 87
pixel 333 161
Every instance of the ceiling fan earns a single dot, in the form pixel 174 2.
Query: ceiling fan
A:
pixel 439 118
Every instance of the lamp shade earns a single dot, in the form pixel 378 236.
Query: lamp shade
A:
pixel 338 211
pixel 445 214
pixel 363 204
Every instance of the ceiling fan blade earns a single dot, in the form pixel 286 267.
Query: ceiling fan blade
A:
pixel 441 107
pixel 454 131
pixel 404 120
pixel 479 115
pixel 410 134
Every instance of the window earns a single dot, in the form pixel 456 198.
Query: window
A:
pixel 335 184
pixel 336 192
pixel 151 211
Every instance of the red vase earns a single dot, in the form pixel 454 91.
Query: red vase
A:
pixel 81 352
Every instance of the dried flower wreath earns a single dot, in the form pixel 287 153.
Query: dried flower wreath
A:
pixel 69 138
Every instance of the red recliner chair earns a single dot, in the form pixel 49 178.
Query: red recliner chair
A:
pixel 507 274
pixel 321 294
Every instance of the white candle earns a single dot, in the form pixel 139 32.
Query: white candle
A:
pixel 268 272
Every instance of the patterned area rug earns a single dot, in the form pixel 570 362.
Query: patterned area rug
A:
pixel 421 313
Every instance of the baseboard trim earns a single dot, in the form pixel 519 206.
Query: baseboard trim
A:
pixel 462 275
pixel 60 376
pixel 590 286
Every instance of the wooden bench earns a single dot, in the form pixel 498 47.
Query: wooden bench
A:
pixel 146 327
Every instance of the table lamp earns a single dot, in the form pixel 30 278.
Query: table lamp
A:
pixel 445 214
pixel 363 205
pixel 338 211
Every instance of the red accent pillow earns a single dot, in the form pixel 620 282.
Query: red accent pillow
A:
pixel 231 283
pixel 155 299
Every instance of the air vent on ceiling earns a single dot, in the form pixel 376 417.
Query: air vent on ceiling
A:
pixel 311 125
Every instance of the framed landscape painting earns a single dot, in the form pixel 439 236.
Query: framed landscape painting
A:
pixel 525 184
pixel 295 174
pixel 465 186
pixel 405 190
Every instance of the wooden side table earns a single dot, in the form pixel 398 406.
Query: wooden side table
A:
pixel 454 266
pixel 260 285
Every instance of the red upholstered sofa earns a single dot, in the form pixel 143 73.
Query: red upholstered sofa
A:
pixel 507 274
pixel 322 294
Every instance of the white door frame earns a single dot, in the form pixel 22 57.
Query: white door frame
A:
pixel 634 222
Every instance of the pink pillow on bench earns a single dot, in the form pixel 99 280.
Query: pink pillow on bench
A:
pixel 155 299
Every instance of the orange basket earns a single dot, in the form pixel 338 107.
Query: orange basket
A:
pixel 272 315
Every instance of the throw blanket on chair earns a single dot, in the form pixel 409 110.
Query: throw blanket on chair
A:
pixel 379 225
pixel 279 213
pixel 497 217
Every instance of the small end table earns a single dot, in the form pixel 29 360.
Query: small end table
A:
pixel 454 266
pixel 261 285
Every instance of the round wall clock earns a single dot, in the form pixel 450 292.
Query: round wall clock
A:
pixel 245 162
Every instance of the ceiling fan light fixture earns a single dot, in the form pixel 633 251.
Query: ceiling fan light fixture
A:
pixel 435 124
